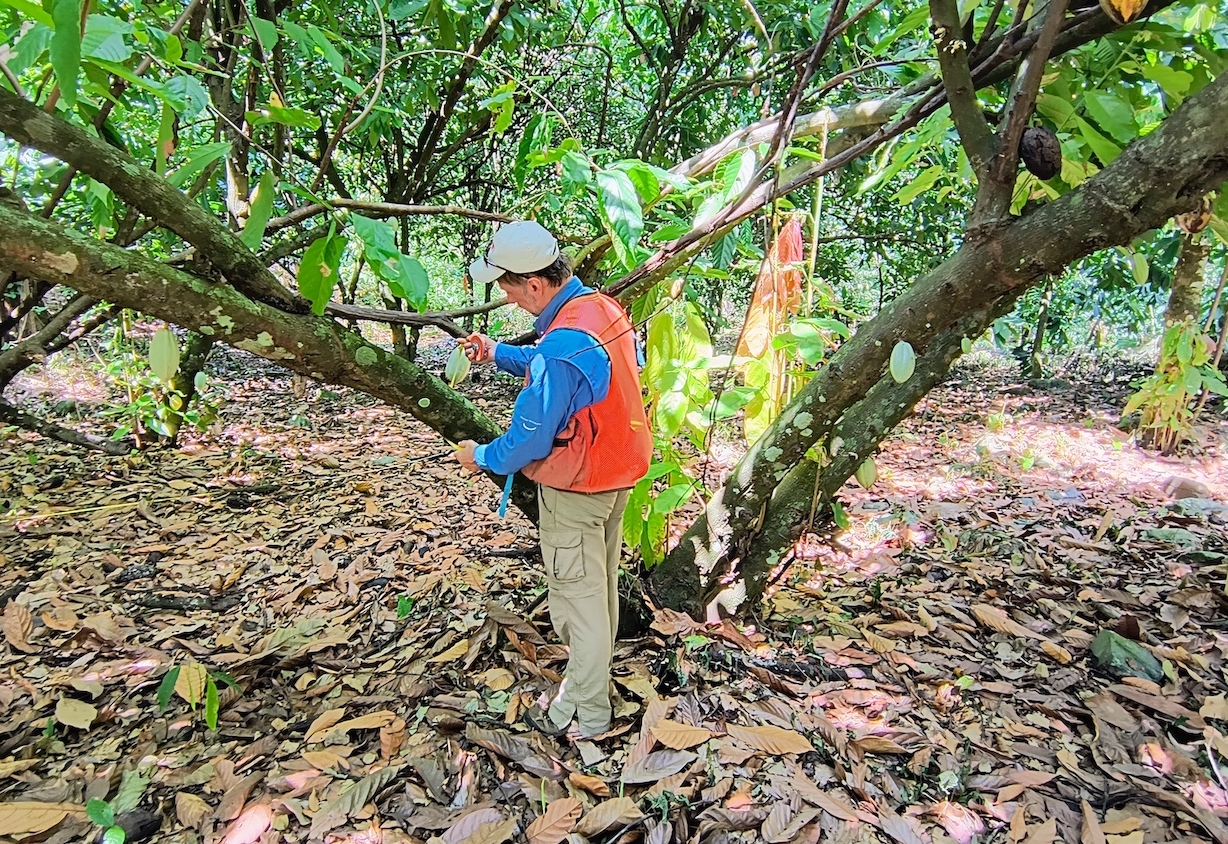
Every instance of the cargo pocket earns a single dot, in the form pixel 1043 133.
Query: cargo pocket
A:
pixel 563 551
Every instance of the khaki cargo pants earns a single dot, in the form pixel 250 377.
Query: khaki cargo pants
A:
pixel 581 538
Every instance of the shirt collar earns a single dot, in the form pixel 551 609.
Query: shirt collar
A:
pixel 567 292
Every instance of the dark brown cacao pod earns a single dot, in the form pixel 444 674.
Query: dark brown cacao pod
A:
pixel 1041 152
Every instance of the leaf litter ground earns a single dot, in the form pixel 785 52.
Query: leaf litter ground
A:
pixel 924 675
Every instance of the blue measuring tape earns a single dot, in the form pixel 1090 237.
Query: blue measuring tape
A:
pixel 507 494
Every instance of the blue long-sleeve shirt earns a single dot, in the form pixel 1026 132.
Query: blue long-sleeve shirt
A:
pixel 568 371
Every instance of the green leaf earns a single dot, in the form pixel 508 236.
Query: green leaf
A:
pixel 317 274
pixel 114 835
pixel 166 689
pixel 671 498
pixel 66 46
pixel 1058 109
pixel 577 170
pixel 327 49
pixel 285 115
pixel 1124 657
pixel 188 96
pixel 30 10
pixel 164 354
pixel 1113 113
pixel 732 400
pixel 1139 267
pixel 261 210
pixel 405 276
pixel 100 812
pixel 131 787
pixel 1102 147
pixel 920 184
pixel 536 137
pixel 1175 83
pixel 620 212
pixel 212 704
pixel 266 33
pixel 736 175
pixel 647 185
pixel 841 518
pixel 104 39
pixel 196 161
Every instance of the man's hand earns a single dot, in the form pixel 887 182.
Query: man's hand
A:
pixel 464 455
pixel 479 348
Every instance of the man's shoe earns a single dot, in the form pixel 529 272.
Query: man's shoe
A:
pixel 539 719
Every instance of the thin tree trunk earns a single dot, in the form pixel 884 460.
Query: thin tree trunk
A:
pixel 1185 295
pixel 191 362
pixel 1038 339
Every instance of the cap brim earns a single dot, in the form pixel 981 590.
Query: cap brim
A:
pixel 482 272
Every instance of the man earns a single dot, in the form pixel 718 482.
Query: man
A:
pixel 579 430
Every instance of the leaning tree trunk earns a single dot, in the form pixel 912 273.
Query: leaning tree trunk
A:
pixel 311 345
pixel 1164 173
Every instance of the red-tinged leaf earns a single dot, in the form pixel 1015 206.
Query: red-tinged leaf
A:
pixel 250 825
pixel 654 766
pixel 557 822
pixel 960 822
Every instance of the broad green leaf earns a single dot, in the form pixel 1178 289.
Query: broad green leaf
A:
pixel 1113 113
pixel 737 174
pixel 1139 267
pixel 536 137
pixel 1058 109
pixel 732 400
pixel 414 282
pixel 1124 657
pixel 261 210
pixel 317 273
pixel 66 46
pixel 188 96
pixel 104 39
pixel 99 812
pixel 920 184
pixel 841 518
pixel 212 704
pixel 114 835
pixel 577 170
pixel 131 787
pixel 405 276
pixel 30 10
pixel 196 161
pixel 174 49
pixel 266 32
pixel 1175 83
pixel 327 49
pixel 903 361
pixel 672 498
pixel 285 115
pixel 620 211
pixel 167 688
pixel 1104 149
pixel 164 354
pixel 914 20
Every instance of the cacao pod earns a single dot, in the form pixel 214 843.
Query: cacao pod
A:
pixel 1192 222
pixel 1121 12
pixel 1041 152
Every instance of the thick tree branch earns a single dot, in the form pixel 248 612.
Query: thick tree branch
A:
pixel 1163 173
pixel 974 133
pixel 11 415
pixel 142 188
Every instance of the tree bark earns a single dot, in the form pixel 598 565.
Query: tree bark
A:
pixel 1185 294
pixel 196 350
pixel 313 346
pixel 1164 173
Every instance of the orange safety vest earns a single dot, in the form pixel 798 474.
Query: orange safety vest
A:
pixel 607 445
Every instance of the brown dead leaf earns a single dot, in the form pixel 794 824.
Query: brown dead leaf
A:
pixel 960 822
pixel 18 625
pixel 1044 833
pixel 468 824
pixel 370 721
pixel 678 736
pixel 455 652
pixel 769 739
pixel 75 713
pixel 878 644
pixel 30 817
pixel 1092 833
pixel 1056 652
pixel 190 809
pixel 556 822
pixel 901 828
pixel 493 833
pixel 61 619
pixel 391 737
pixel 250 825
pixel 325 759
pixel 880 745
pixel 321 725
pixel 995 619
pixel 654 766
pixel 593 785
pixel 619 810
